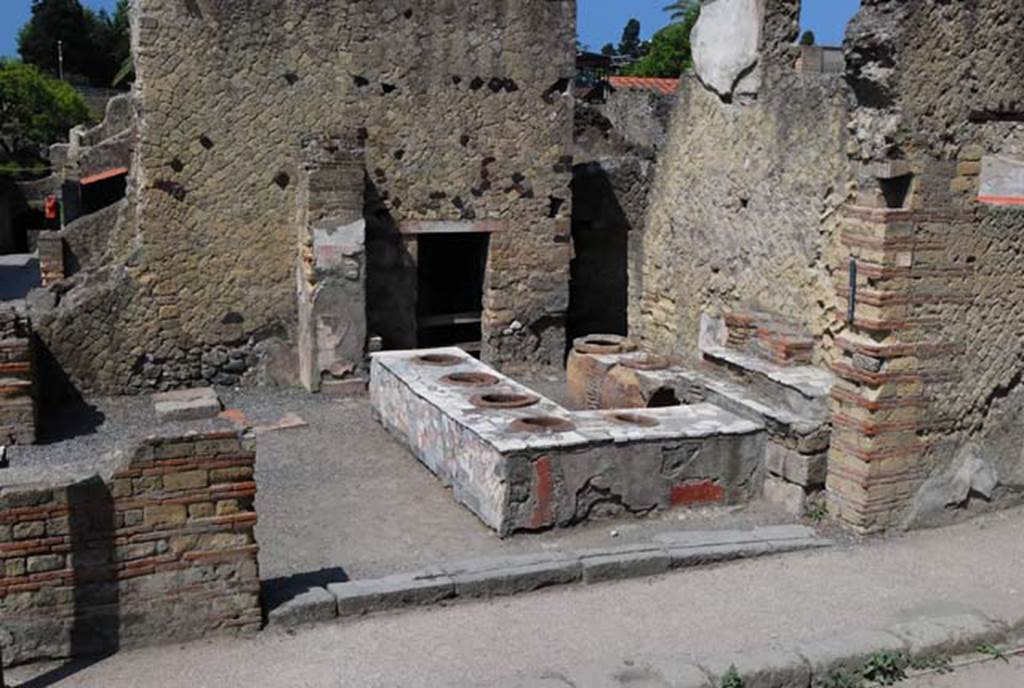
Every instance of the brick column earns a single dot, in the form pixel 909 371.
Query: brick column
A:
pixel 51 257
pixel 890 358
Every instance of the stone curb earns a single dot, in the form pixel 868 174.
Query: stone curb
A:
pixel 1016 628
pixel 511 575
pixel 797 667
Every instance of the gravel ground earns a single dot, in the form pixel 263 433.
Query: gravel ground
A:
pixel 340 498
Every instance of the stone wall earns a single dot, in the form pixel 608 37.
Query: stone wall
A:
pixel 331 266
pixel 18 392
pixel 640 116
pixel 928 405
pixel 741 213
pixel 616 143
pixel 159 548
pixel 465 115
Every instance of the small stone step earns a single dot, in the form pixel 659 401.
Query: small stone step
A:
pixel 353 387
pixel 802 390
pixel 187 404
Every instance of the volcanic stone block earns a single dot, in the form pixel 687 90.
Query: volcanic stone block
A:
pixel 401 590
pixel 789 496
pixel 511 575
pixel 806 470
pixel 309 606
pixel 187 404
pixel 628 563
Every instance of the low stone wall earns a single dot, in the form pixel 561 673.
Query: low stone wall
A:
pixel 159 549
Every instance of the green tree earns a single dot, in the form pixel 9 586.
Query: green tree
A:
pixel 670 53
pixel 808 38
pixel 36 110
pixel 95 44
pixel 608 50
pixel 121 46
pixel 630 43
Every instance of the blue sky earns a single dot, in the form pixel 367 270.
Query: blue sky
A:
pixel 14 14
pixel 601 21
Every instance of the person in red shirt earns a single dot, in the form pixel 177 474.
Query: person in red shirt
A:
pixel 50 210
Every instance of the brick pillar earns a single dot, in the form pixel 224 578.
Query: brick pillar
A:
pixel 51 257
pixel 875 457
pixel 18 391
pixel 331 271
pixel 893 358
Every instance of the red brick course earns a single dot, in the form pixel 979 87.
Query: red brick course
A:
pixel 149 536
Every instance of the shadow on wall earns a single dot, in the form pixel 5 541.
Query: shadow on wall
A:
pixel 64 412
pixel 95 628
pixel 599 278
pixel 391 276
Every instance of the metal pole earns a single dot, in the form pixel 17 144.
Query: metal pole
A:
pixel 852 302
pixel 60 69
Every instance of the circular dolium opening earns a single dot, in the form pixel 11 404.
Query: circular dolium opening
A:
pixel 542 424
pixel 646 362
pixel 440 359
pixel 472 379
pixel 663 397
pixel 603 344
pixel 635 419
pixel 504 400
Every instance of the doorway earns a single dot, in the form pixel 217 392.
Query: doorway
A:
pixel 451 273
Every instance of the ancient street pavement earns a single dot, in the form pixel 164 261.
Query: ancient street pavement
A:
pixel 772 602
pixel 997 674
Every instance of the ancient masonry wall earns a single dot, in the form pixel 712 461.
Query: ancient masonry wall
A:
pixel 465 115
pixel 742 211
pixel 928 401
pixel 330 274
pixel 18 390
pixel 616 146
pixel 160 549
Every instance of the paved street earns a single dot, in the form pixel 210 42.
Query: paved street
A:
pixel 772 602
pixel 996 674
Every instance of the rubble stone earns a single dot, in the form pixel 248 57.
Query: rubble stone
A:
pixel 187 404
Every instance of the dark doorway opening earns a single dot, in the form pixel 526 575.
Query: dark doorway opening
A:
pixel 94 193
pixel 896 191
pixel 664 397
pixel 451 273
pixel 24 227
pixel 103 192
pixel 599 276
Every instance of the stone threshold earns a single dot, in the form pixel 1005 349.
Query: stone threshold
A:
pixel 293 605
pixel 831 661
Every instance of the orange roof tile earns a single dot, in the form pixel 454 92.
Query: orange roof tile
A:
pixel 109 174
pixel 666 87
